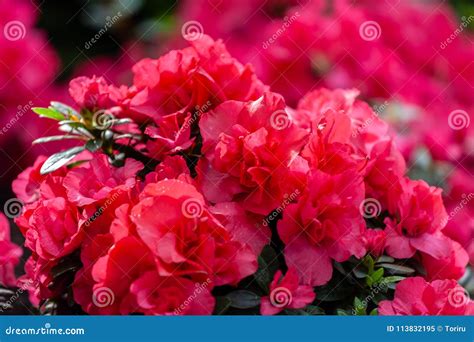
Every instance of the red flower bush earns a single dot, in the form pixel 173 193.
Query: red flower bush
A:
pixel 197 188
pixel 415 296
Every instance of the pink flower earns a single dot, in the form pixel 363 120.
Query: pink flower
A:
pixel 10 254
pixel 286 293
pixel 417 222
pixel 186 239
pixel 246 160
pixel 324 224
pixel 449 266
pixel 375 241
pixel 97 179
pixel 415 296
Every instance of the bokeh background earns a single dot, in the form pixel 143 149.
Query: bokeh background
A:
pixel 412 71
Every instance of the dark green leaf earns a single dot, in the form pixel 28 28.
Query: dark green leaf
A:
pixel 392 279
pixel 377 275
pixel 243 299
pixel 397 269
pixel 93 145
pixel 60 159
pixel 385 258
pixel 222 305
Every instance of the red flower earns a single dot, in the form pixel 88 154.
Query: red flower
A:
pixel 246 159
pixel 286 293
pixel 95 181
pixel 375 241
pixel 10 254
pixel 185 238
pixel 415 296
pixel 324 224
pixel 419 217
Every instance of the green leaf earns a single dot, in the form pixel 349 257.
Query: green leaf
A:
pixel 374 312
pixel 64 109
pixel 342 312
pixel 93 145
pixel 397 269
pixel 243 299
pixel 392 279
pixel 56 138
pixel 385 258
pixel 267 266
pixel 60 159
pixel 377 275
pixel 222 305
pixel 48 113
pixel 360 273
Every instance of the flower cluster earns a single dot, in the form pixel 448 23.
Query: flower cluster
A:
pixel 165 208
pixel 420 78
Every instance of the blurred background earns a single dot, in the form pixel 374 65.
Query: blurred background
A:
pixel 413 60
